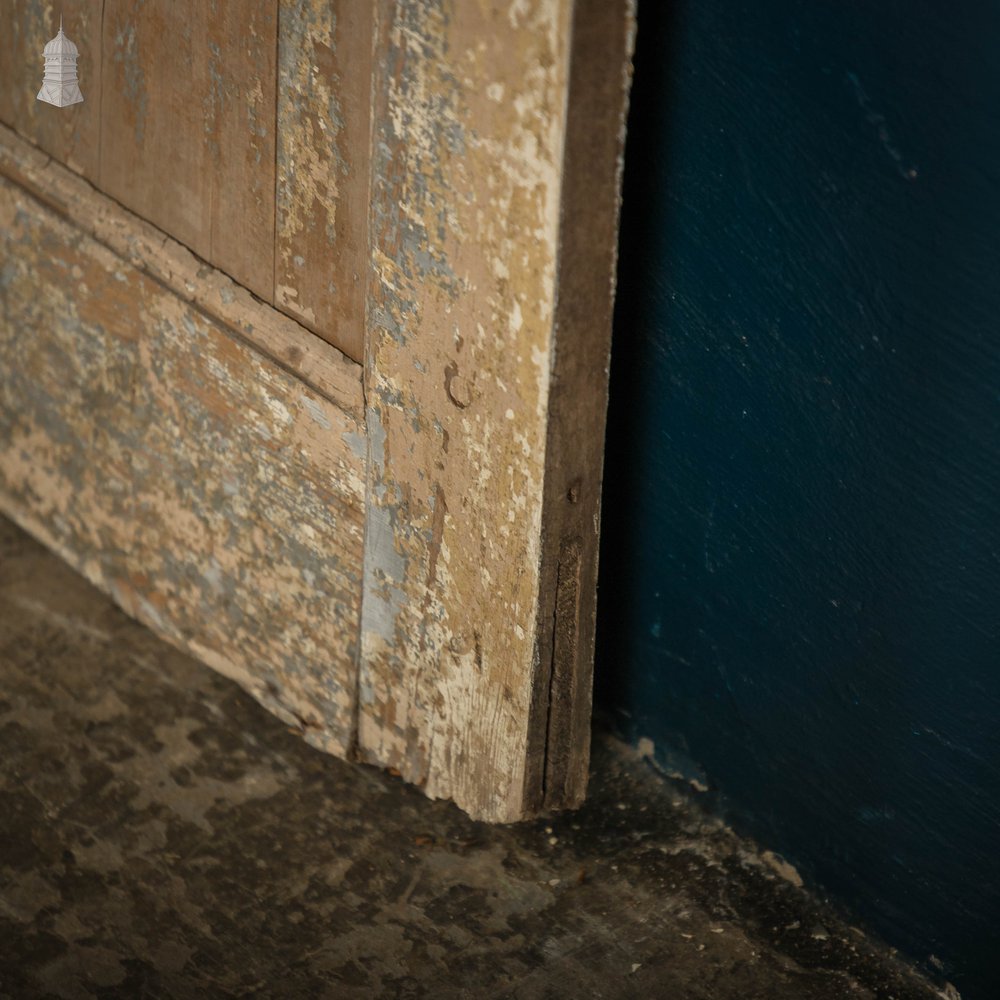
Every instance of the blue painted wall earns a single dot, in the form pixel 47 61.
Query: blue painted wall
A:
pixel 800 592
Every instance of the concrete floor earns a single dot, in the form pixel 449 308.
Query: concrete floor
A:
pixel 162 836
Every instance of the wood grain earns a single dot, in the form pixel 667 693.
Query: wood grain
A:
pixel 470 134
pixel 188 126
pixel 323 156
pixel 220 493
pixel 600 79
pixel 217 498
pixel 319 365
pixel 72 135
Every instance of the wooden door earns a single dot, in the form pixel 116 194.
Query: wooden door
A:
pixel 304 331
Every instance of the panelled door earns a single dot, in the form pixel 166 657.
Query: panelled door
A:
pixel 304 326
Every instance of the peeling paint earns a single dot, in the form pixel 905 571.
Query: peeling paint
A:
pixel 441 247
pixel 458 184
pixel 126 55
pixel 180 471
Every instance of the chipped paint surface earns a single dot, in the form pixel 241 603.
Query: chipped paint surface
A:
pixel 324 97
pixel 319 365
pixel 452 249
pixel 239 127
pixel 215 496
pixel 465 214
pixel 128 68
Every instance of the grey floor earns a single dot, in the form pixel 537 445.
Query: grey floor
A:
pixel 163 836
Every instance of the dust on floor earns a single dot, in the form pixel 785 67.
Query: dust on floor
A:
pixel 161 835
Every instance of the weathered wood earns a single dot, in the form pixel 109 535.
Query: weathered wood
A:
pixel 318 364
pixel 188 126
pixel 217 498
pixel 321 226
pixel 72 135
pixel 600 78
pixel 469 141
pixel 221 494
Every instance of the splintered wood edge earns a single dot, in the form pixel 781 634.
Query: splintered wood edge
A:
pixel 320 365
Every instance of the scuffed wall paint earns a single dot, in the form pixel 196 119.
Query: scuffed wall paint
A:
pixel 469 121
pixel 802 603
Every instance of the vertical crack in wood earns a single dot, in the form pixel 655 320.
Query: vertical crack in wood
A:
pixel 367 414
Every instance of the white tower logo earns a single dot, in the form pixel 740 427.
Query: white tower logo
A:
pixel 60 86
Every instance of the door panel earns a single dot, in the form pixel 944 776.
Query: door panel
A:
pixel 188 126
pixel 181 122
pixel 218 498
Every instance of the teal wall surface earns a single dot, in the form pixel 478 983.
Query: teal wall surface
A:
pixel 800 584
